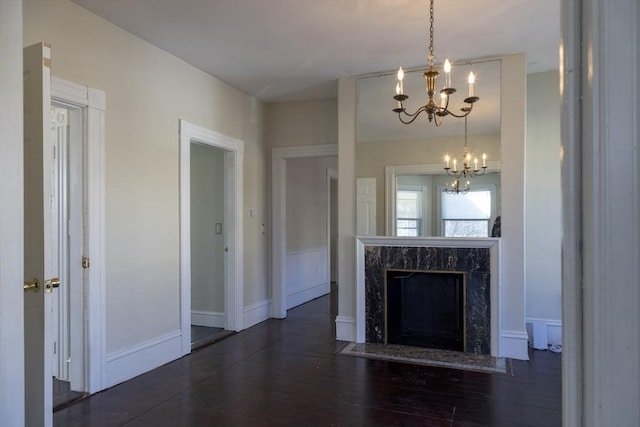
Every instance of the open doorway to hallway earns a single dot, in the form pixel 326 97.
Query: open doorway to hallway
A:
pixel 308 221
pixel 208 244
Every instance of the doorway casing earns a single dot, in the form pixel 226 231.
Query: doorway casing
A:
pixel 233 159
pixel 279 157
pixel 92 103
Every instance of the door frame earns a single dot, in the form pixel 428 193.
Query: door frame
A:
pixel 92 103
pixel 279 157
pixel 332 174
pixel 233 183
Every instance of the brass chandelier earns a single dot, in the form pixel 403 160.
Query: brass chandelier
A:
pixel 435 112
pixel 466 170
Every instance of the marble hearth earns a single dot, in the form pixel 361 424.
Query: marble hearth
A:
pixel 477 258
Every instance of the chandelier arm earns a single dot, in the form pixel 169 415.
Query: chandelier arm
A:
pixel 413 116
pixel 459 116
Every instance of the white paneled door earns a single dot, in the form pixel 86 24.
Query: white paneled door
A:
pixel 38 266
pixel 366 207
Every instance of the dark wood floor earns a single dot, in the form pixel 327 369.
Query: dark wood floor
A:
pixel 286 373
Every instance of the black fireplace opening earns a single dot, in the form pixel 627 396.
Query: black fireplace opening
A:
pixel 425 309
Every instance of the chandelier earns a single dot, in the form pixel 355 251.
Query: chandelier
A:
pixel 455 188
pixel 435 112
pixel 467 170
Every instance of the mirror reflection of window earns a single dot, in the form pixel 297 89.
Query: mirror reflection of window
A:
pixel 409 212
pixel 467 215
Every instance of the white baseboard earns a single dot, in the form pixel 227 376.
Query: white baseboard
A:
pixel 345 328
pixel 128 363
pixel 256 313
pixel 514 344
pixel 211 319
pixel 307 295
pixel 554 329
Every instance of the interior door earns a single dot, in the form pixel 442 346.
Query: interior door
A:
pixel 365 207
pixel 37 236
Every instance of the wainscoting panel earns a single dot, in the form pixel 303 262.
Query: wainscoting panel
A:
pixel 138 359
pixel 211 319
pixel 554 329
pixel 306 276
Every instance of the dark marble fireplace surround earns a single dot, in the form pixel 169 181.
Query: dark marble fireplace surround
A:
pixel 474 262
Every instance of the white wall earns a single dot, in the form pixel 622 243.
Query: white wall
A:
pixel 296 123
pixel 12 402
pixel 543 202
pixel 148 91
pixel 207 247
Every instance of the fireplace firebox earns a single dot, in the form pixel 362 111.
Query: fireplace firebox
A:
pixel 425 309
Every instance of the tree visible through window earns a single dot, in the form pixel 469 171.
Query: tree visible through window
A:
pixel 466 215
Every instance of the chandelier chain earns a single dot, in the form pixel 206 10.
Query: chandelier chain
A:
pixel 431 55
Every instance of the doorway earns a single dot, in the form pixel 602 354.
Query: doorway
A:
pixel 210 235
pixel 67 219
pixel 281 273
pixel 207 245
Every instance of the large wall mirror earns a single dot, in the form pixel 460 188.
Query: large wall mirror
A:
pixel 403 164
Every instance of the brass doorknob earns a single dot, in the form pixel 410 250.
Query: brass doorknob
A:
pixel 50 284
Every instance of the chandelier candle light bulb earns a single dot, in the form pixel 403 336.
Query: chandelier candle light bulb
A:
pixel 447 73
pixel 471 81
pixel 400 79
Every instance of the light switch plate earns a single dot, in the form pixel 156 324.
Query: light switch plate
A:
pixel 218 228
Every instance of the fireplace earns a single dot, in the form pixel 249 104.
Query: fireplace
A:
pixel 425 309
pixel 473 297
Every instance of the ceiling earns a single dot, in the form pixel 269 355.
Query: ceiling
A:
pixel 281 50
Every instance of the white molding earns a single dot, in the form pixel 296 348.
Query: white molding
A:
pixel 345 328
pixel 93 103
pixel 211 319
pixel 305 295
pixel 392 172
pixel 256 313
pixel 308 250
pixel 234 286
pixel 125 364
pixel 279 158
pixel 492 243
pixel 514 344
pixel 553 328
pixel 305 151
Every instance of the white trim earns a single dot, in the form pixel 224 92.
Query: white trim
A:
pixel 493 244
pixel 305 295
pixel 331 174
pixel 553 329
pixel 93 103
pixel 345 328
pixel 234 287
pixel 125 364
pixel 307 251
pixel 210 319
pixel 279 157
pixel 256 313
pixel 392 172
pixel 514 344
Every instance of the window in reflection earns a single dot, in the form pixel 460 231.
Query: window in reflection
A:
pixel 467 215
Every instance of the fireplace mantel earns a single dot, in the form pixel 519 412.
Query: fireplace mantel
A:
pixel 492 244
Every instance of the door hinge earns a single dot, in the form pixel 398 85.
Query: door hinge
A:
pixel 85 262
pixel 55 347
